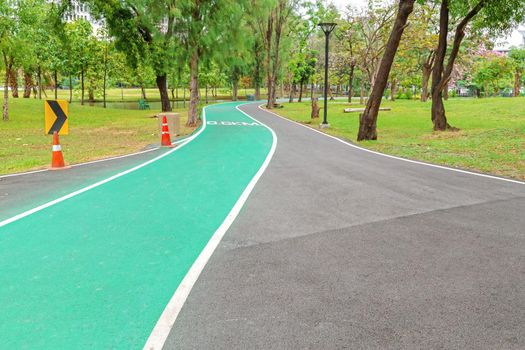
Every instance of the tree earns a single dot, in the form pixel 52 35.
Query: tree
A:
pixel 346 50
pixel 201 23
pixel 302 68
pixel 18 25
pixel 517 57
pixel 494 70
pixel 79 35
pixel 494 15
pixel 372 28
pixel 6 46
pixel 417 51
pixel 272 18
pixel 368 120
pixel 144 29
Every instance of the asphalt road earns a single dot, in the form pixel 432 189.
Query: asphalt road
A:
pixel 338 248
pixel 25 191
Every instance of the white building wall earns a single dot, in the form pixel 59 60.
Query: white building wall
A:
pixel 81 11
pixel 515 39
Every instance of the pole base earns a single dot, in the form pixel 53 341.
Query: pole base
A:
pixel 324 126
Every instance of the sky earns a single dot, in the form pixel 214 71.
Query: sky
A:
pixel 343 3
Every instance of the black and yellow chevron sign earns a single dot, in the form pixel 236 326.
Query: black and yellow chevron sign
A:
pixel 56 114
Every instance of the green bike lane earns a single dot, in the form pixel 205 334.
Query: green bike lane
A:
pixel 97 270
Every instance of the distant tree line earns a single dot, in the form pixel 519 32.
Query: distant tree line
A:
pixel 393 49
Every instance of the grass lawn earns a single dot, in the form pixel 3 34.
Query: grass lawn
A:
pixel 491 139
pixel 94 133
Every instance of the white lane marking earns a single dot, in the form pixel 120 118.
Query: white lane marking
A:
pixel 82 190
pixel 25 173
pixel 394 157
pixel 166 321
pixel 228 123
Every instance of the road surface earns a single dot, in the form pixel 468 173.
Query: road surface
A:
pixel 339 248
pixel 336 248
pixel 96 268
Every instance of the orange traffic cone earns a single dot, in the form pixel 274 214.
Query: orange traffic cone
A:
pixel 166 140
pixel 57 161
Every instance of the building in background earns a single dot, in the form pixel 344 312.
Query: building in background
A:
pixel 515 39
pixel 81 11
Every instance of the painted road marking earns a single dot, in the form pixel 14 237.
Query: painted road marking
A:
pixel 96 269
pixel 166 321
pixel 230 123
pixel 394 157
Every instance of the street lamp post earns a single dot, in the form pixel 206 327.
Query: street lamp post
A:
pixel 327 29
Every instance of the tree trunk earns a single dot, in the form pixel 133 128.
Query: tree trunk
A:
pixel 368 120
pixel 438 109
pixel 362 91
pixel 276 61
pixel 56 84
pixel 163 91
pixel 5 109
pixel 178 85
pixel 312 89
pixel 206 95
pixel 257 70
pixel 13 81
pixel 495 91
pixel 517 83
pixel 235 91
pixel 269 78
pixel 28 82
pixel 315 109
pixel 301 85
pixel 440 74
pixel 184 97
pixel 427 70
pixel 39 83
pixel 393 90
pixel 82 86
pixel 70 88
pixel 445 93
pixel 143 92
pixel 104 83
pixel 350 82
pixel 194 90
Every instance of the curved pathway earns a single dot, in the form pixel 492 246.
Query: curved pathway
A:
pixel 96 268
pixel 341 248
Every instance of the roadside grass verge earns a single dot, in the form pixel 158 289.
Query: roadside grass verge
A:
pixel 491 137
pixel 94 133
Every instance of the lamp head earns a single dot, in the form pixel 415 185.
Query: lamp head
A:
pixel 327 27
